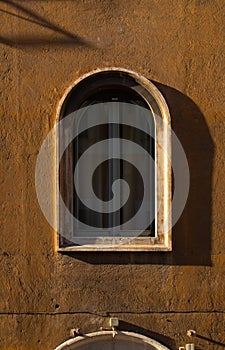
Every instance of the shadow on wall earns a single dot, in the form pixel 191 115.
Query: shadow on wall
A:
pixel 192 233
pixel 167 341
pixel 23 13
pixel 164 340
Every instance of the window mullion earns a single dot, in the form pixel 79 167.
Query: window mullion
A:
pixel 114 151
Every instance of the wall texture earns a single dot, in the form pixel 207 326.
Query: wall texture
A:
pixel 45 45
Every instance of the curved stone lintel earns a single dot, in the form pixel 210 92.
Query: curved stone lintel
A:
pixel 97 338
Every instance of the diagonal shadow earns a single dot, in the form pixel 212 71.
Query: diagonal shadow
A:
pixel 212 341
pixel 70 38
pixel 130 327
pixel 32 41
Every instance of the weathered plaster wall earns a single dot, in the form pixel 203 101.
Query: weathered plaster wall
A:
pixel 46 45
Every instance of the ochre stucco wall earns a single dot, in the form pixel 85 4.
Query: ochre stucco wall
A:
pixel 178 45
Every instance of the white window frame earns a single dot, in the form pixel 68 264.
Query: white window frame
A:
pixel 158 106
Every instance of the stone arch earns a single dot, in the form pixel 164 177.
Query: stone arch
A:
pixel 71 102
pixel 109 340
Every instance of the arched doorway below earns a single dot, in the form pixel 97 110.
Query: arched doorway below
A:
pixel 108 340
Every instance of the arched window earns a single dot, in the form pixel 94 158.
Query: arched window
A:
pixel 114 176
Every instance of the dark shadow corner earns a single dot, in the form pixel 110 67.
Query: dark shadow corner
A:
pixel 192 233
pixel 164 340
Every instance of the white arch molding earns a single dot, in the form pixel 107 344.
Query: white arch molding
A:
pixel 163 193
pixel 108 340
